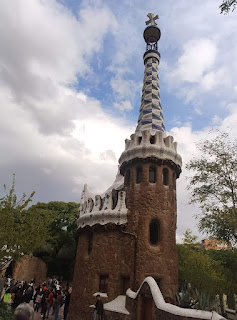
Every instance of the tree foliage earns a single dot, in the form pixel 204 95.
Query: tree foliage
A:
pixel 227 6
pixel 189 238
pixel 214 187
pixel 22 231
pixel 195 267
pixel 63 226
pixel 60 250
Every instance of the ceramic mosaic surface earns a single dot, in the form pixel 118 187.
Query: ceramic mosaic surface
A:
pixel 151 116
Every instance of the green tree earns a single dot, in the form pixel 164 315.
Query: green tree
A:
pixel 63 226
pixel 199 270
pixel 60 250
pixel 189 238
pixel 214 187
pixel 22 231
pixel 227 6
pixel 228 260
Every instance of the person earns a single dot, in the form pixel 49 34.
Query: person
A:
pixel 24 312
pixel 7 297
pixel 38 300
pixel 19 296
pixel 99 308
pixel 66 303
pixel 49 302
pixel 58 304
pixel 28 295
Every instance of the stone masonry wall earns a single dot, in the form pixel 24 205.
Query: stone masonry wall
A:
pixel 110 253
pixel 29 267
pixel 126 251
pixel 153 201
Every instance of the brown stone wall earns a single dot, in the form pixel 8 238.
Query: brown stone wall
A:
pixel 126 251
pixel 115 316
pixel 111 254
pixel 29 267
pixel 147 201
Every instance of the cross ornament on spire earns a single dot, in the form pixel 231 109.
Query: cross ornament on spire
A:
pixel 152 19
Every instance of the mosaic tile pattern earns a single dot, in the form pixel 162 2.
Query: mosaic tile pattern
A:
pixel 151 116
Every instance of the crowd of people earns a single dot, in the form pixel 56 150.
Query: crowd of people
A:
pixel 47 297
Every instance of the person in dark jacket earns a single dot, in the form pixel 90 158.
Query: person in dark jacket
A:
pixel 66 303
pixel 99 307
pixel 28 295
pixel 19 297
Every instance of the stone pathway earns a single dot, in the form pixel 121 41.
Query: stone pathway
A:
pixel 37 315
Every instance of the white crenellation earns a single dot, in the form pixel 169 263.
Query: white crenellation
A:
pixel 103 209
pixel 151 143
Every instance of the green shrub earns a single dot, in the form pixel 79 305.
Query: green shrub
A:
pixel 6 311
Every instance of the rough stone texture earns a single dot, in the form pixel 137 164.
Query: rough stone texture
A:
pixel 153 201
pixel 125 251
pixel 115 316
pixel 111 254
pixel 29 267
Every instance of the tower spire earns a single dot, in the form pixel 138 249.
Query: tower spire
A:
pixel 150 116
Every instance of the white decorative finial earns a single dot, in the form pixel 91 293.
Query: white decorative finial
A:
pixel 152 19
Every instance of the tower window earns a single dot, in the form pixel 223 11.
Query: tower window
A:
pixel 90 243
pixel 139 140
pixel 152 140
pixel 103 285
pixel 154 232
pixel 152 174
pixel 139 175
pixel 165 176
pixel 127 177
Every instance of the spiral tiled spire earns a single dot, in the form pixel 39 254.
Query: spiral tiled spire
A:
pixel 151 116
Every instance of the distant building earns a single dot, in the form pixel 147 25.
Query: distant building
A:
pixel 214 244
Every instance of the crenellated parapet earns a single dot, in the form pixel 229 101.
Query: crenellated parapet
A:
pixel 149 144
pixel 108 207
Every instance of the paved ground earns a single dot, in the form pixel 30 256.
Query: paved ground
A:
pixel 37 315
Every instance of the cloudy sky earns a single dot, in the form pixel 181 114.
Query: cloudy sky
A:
pixel 71 76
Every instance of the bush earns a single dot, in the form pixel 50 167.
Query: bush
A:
pixel 6 311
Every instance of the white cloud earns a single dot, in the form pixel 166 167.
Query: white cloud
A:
pixel 124 88
pixel 44 48
pixel 197 58
pixel 124 105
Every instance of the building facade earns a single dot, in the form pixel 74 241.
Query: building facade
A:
pixel 128 233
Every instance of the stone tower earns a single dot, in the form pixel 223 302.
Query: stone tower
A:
pixel 128 232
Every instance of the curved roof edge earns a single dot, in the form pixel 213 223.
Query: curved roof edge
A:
pixel 162 305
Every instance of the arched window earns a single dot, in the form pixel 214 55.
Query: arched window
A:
pixel 165 176
pixel 139 140
pixel 139 175
pixel 152 140
pixel 154 232
pixel 152 174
